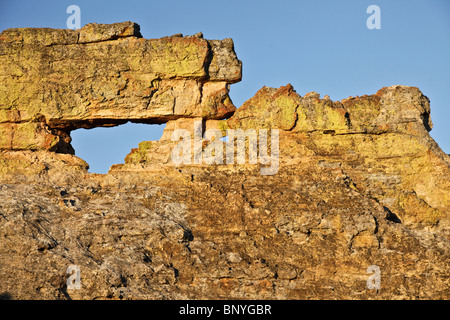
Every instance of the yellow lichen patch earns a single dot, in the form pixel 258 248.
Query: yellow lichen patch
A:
pixel 269 108
pixel 286 115
pixel 363 111
pixel 139 155
pixel 316 114
pixel 415 210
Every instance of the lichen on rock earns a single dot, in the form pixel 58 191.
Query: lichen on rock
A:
pixel 360 181
pixel 103 75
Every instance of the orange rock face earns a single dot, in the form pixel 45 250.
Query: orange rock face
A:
pixel 105 75
pixel 361 192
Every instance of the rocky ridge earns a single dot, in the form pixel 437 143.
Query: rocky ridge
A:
pixel 360 181
pixel 53 81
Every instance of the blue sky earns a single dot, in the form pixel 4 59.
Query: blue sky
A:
pixel 320 45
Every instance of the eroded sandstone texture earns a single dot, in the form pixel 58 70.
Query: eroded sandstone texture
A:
pixel 53 81
pixel 360 181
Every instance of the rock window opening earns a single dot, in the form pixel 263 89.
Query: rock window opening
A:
pixel 104 146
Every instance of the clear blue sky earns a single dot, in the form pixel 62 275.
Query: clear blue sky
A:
pixel 320 45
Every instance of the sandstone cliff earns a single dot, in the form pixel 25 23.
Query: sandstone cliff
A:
pixel 360 181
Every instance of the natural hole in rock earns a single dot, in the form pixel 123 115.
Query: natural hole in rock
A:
pixel 104 146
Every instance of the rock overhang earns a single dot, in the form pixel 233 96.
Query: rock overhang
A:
pixel 54 81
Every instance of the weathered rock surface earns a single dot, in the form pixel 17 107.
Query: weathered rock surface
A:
pixel 360 183
pixel 380 140
pixel 102 75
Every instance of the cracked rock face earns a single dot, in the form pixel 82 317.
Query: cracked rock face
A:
pixel 381 141
pixel 104 75
pixel 360 182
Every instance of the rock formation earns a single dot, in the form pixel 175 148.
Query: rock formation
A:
pixel 54 81
pixel 360 181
